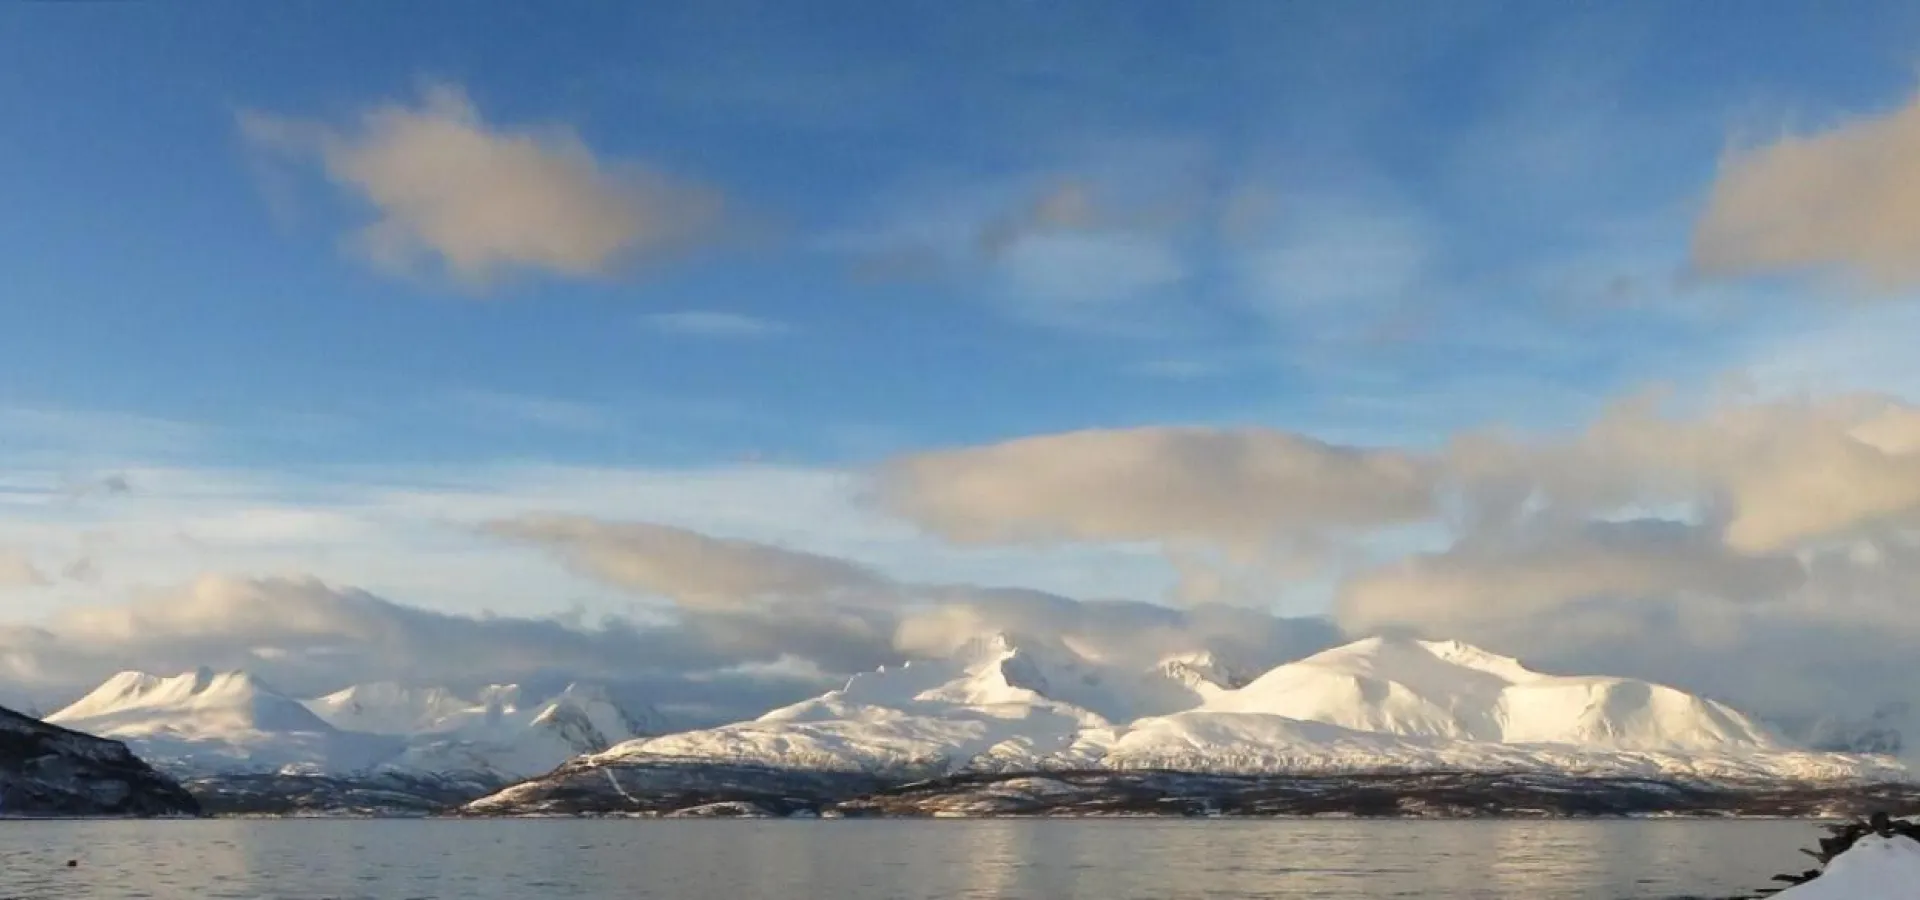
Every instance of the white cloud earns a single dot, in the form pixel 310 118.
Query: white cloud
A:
pixel 485 200
pixel 17 571
pixel 1772 475
pixel 410 532
pixel 1084 279
pixel 1347 258
pixel 1503 580
pixel 713 324
pixel 1242 489
pixel 689 567
pixel 1847 198
pixel 307 637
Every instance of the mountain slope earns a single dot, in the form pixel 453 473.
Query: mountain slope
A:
pixel 502 740
pixel 46 770
pixel 219 721
pixel 390 708
pixel 1428 689
pixel 929 716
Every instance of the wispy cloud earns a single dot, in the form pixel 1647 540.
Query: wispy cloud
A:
pixel 511 409
pixel 17 571
pixel 484 200
pixel 1102 244
pixel 713 324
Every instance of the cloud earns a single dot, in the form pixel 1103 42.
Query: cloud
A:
pixel 19 572
pixel 753 626
pixel 1845 199
pixel 1544 571
pixel 1793 637
pixel 1066 206
pixel 827 610
pixel 1771 475
pixel 307 637
pixel 485 200
pixel 686 566
pixel 1119 632
pixel 313 629
pixel 713 324
pixel 1104 248
pixel 1343 258
pixel 1242 489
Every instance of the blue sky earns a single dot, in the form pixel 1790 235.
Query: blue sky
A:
pixel 1505 160
pixel 319 289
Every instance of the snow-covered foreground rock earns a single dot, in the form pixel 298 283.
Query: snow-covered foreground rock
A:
pixel 1881 868
pixel 1375 707
pixel 246 747
pixel 46 770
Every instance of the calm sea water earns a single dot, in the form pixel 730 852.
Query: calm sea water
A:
pixel 889 860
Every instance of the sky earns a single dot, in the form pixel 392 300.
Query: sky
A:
pixel 726 348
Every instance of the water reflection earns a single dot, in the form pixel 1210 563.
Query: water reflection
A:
pixel 892 860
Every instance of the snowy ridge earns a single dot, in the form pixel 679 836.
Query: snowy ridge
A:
pixel 1451 690
pixel 218 720
pixel 206 722
pixel 500 738
pixel 1376 705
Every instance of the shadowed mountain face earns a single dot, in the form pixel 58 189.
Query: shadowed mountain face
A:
pixel 46 770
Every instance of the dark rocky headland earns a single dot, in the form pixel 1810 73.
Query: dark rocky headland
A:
pixel 46 770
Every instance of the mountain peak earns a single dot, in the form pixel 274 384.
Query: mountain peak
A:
pixel 201 700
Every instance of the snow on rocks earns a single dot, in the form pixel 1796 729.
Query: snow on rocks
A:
pixel 1878 858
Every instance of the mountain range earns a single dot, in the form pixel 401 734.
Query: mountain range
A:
pixel 1000 706
pixel 1006 705
pixel 205 725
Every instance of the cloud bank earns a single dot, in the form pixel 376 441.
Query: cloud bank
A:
pixel 1692 545
pixel 1760 551
pixel 1243 489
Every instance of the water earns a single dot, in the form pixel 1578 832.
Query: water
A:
pixel 891 860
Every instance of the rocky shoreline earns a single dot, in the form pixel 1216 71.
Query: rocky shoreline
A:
pixel 659 789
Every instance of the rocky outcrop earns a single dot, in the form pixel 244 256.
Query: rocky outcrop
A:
pixel 1873 857
pixel 46 770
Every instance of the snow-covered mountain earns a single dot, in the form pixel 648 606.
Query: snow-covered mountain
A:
pixel 500 737
pixel 210 723
pixel 214 721
pixel 391 708
pixel 1450 690
pixel 1380 704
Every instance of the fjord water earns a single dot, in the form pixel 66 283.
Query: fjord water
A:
pixel 892 860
